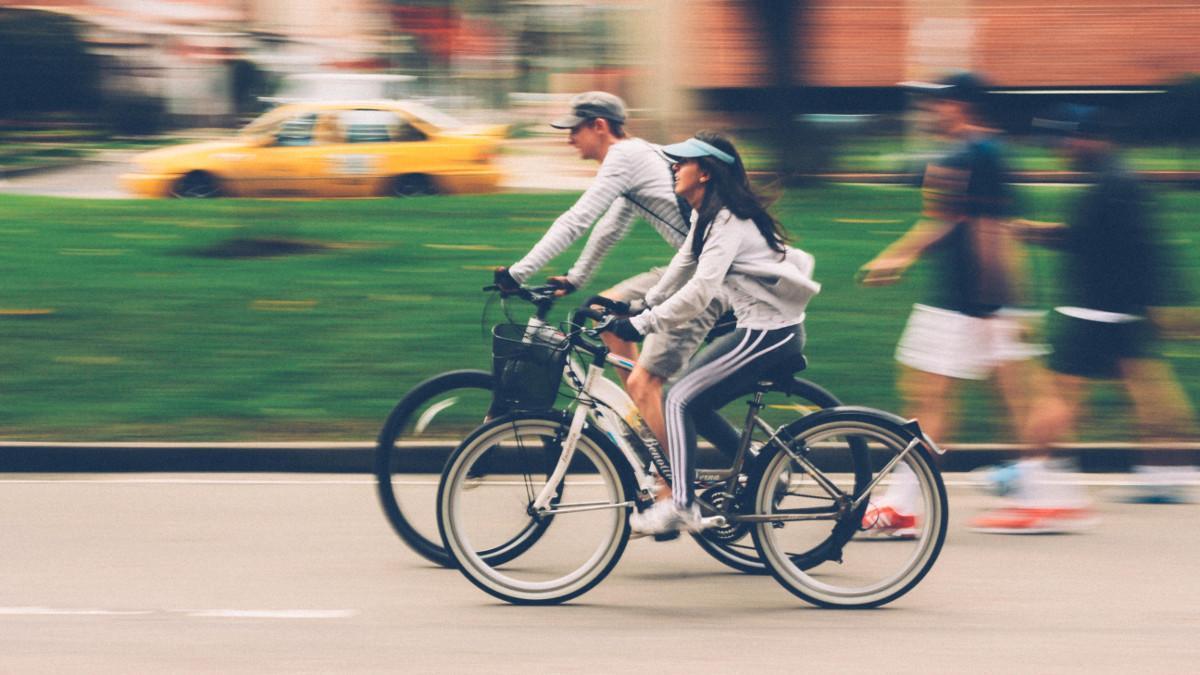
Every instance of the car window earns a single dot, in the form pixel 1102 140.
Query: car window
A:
pixel 377 126
pixel 296 130
pixel 432 115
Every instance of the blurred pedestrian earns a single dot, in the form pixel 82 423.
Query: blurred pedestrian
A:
pixel 634 179
pixel 965 329
pixel 1116 280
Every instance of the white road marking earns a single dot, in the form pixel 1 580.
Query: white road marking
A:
pixel 192 613
pixel 193 481
pixel 272 613
pixel 59 611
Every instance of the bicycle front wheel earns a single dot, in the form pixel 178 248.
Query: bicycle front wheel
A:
pixel 420 433
pixel 816 496
pixel 486 499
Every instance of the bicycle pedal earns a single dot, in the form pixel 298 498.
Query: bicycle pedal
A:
pixel 713 521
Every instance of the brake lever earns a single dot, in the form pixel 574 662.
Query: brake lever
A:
pixel 595 331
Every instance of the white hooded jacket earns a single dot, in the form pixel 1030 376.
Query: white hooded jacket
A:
pixel 767 289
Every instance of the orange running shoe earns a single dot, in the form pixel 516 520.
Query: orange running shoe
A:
pixel 1027 520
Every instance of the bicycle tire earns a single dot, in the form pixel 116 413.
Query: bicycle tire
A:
pixel 863 577
pixel 598 484
pixel 742 557
pixel 395 456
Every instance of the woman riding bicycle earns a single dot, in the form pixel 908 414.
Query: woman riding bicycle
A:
pixel 734 246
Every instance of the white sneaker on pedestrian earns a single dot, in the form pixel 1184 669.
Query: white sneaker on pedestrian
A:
pixel 1163 485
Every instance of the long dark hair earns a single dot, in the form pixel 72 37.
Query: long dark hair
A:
pixel 729 188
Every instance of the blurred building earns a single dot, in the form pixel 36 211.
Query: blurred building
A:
pixel 665 56
pixel 855 46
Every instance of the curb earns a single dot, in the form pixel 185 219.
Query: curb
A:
pixel 358 456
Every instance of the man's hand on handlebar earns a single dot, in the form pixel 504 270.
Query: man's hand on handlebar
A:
pixel 561 285
pixel 505 281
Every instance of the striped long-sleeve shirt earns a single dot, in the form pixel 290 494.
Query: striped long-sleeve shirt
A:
pixel 633 180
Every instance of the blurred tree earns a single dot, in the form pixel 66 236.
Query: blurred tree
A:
pixel 44 64
pixel 1184 110
pixel 798 152
pixel 248 83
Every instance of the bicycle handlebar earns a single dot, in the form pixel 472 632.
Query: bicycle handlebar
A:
pixel 602 318
pixel 601 301
pixel 542 297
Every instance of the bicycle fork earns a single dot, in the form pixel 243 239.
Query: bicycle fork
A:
pixel 541 503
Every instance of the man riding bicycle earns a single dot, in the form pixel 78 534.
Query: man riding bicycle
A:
pixel 634 179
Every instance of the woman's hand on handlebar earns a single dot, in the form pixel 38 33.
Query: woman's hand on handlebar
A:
pixel 617 307
pixel 561 285
pixel 623 328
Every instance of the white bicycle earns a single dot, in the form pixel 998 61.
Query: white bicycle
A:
pixel 437 414
pixel 533 506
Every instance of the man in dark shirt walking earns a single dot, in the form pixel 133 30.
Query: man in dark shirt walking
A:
pixel 1116 282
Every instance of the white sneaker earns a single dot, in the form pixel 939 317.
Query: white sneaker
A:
pixel 665 518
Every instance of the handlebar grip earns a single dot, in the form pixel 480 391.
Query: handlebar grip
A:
pixel 606 303
pixel 586 312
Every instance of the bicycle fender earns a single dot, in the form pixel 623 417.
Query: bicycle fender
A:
pixel 908 426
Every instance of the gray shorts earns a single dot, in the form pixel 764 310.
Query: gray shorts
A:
pixel 664 354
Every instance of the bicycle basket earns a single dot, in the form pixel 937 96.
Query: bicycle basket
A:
pixel 528 365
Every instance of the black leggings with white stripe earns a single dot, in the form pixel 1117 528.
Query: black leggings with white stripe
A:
pixel 734 361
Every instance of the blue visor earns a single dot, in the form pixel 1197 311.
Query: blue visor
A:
pixel 694 147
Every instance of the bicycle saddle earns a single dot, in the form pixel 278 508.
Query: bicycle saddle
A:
pixel 792 364
pixel 783 371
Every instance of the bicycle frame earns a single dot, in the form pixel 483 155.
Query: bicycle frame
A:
pixel 612 411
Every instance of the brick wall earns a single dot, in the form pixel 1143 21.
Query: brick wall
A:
pixel 850 43
pixel 1087 42
pixel 1015 42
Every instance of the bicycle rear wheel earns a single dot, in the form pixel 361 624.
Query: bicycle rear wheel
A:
pixel 420 433
pixel 486 497
pixel 818 479
pixel 733 545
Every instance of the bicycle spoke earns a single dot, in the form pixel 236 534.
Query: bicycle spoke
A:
pixel 569 546
pixel 829 554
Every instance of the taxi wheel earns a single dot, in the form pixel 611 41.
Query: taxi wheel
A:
pixel 412 186
pixel 196 185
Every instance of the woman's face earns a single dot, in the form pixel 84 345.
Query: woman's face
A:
pixel 690 181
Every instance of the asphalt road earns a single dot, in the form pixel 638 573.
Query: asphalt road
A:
pixel 283 573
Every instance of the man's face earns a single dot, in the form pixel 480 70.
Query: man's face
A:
pixel 586 137
pixel 948 115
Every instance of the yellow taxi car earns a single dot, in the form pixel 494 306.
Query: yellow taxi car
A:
pixel 329 149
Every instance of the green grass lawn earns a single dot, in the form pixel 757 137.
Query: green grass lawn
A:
pixel 119 321
pixel 887 154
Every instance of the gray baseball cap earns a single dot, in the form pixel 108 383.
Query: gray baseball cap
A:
pixel 590 105
pixel 962 86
